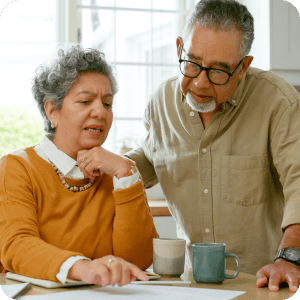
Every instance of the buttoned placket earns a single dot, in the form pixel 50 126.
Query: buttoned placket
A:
pixel 205 170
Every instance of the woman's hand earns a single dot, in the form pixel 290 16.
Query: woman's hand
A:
pixel 98 159
pixel 108 270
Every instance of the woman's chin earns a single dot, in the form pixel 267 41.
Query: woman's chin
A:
pixel 91 144
pixel 93 139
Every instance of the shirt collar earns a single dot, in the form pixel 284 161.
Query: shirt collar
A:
pixel 239 91
pixel 182 96
pixel 62 161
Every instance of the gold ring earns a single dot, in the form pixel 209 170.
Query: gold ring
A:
pixel 111 260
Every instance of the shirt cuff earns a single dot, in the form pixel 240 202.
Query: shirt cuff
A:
pixel 125 182
pixel 291 213
pixel 66 266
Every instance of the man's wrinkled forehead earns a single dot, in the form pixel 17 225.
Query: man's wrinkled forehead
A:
pixel 187 41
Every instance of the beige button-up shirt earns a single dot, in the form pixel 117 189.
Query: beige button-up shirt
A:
pixel 238 180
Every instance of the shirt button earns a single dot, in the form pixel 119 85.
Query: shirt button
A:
pixel 206 191
pixel 204 150
pixel 192 113
pixel 233 101
pixel 207 230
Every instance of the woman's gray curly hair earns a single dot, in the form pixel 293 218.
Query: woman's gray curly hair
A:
pixel 53 82
pixel 223 14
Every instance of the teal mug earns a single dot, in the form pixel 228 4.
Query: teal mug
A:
pixel 209 263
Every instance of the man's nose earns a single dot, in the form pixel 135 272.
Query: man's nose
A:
pixel 201 81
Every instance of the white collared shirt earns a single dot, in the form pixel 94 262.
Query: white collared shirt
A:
pixel 47 150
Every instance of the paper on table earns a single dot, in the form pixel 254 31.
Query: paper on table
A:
pixel 130 292
pixel 12 290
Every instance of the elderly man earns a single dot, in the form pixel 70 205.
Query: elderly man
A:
pixel 224 143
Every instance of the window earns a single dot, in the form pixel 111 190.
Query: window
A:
pixel 260 11
pixel 139 38
pixel 27 30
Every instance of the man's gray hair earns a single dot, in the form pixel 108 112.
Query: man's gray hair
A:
pixel 53 81
pixel 226 15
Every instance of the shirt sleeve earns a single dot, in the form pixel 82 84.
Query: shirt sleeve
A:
pixel 66 266
pixel 125 182
pixel 133 236
pixel 23 251
pixel 144 166
pixel 285 147
pixel 138 155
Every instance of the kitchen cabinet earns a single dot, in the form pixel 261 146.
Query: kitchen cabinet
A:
pixel 277 37
pixel 284 36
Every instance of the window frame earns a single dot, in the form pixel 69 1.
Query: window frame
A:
pixel 73 24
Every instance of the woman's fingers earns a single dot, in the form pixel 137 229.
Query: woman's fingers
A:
pixel 139 274
pixel 82 161
pixel 123 272
pixel 86 165
pixel 127 274
pixel 115 270
pixel 98 159
pixel 108 270
pixel 116 273
pixel 97 280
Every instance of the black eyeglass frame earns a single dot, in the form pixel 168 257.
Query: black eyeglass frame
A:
pixel 207 69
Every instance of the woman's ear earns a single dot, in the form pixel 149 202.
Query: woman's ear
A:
pixel 51 112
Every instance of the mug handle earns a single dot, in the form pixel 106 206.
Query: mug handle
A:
pixel 238 265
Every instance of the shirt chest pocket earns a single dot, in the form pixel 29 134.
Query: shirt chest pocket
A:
pixel 244 179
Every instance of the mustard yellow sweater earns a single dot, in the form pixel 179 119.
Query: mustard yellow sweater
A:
pixel 42 223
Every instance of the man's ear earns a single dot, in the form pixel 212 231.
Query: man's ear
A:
pixel 245 65
pixel 179 44
pixel 51 111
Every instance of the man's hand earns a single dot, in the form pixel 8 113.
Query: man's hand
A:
pixel 279 272
pixel 98 159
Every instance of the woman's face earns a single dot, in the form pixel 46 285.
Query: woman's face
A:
pixel 85 117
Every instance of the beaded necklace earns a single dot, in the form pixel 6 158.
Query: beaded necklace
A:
pixel 71 188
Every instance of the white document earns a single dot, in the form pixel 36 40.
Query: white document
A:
pixel 144 292
pixel 163 282
pixel 12 290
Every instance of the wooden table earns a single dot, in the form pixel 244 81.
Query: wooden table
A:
pixel 159 207
pixel 243 282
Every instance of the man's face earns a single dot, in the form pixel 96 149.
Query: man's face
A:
pixel 212 48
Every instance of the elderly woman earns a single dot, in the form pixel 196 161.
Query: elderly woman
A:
pixel 69 209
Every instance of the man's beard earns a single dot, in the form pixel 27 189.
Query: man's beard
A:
pixel 202 107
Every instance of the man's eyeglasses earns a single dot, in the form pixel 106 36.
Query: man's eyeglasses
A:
pixel 216 76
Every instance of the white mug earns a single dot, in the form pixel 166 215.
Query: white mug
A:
pixel 168 256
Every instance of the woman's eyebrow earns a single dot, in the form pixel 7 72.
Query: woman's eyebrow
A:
pixel 109 95
pixel 95 94
pixel 86 92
